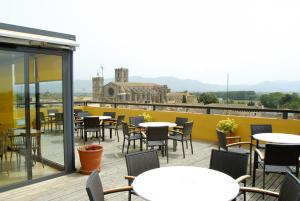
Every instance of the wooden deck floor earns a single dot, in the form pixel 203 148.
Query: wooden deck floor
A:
pixel 72 187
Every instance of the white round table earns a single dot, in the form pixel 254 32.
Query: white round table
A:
pixel 282 138
pixel 185 183
pixel 157 124
pixel 101 117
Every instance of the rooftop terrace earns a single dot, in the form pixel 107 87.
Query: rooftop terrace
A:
pixel 72 187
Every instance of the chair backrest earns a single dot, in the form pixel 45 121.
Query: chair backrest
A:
pixel 94 187
pixel 91 122
pixel 76 111
pixel 157 133
pixel 180 121
pixel 222 139
pixel 83 114
pixel 42 116
pixel 125 128
pixel 140 162
pixel 135 121
pixel 260 128
pixel 120 119
pixel 52 111
pixel 188 128
pixel 290 188
pixel 282 154
pixel 59 117
pixel 231 163
pixel 111 114
pixel 3 143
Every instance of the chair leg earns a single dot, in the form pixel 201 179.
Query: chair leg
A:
pixel 123 145
pixel 133 144
pixel 129 195
pixel 191 146
pixel 128 146
pixel 183 149
pixel 186 144
pixel 117 133
pixel 255 166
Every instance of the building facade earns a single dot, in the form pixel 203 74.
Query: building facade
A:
pixel 121 90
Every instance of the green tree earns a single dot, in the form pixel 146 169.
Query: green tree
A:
pixel 184 100
pixel 207 98
pixel 271 100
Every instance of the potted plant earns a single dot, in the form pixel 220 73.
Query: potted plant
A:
pixel 90 158
pixel 147 117
pixel 228 126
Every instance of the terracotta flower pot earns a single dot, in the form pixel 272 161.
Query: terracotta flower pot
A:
pixel 90 158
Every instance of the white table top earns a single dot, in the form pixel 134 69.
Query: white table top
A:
pixel 185 183
pixel 101 117
pixel 157 124
pixel 278 138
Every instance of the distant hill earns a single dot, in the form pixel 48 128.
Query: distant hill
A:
pixel 176 84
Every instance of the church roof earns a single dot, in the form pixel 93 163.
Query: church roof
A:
pixel 136 84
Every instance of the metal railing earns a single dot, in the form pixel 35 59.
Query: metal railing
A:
pixel 284 112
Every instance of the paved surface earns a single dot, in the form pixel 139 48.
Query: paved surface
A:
pixel 72 187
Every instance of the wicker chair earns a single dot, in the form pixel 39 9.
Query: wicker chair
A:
pixel 138 163
pixel 183 136
pixel 116 125
pixel 179 121
pixel 95 190
pixel 222 144
pixel 277 159
pixel 158 136
pixel 231 163
pixel 91 124
pixel 129 135
pixel 289 190
pixel 3 150
pixel 260 128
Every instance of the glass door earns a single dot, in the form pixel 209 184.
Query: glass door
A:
pixel 31 116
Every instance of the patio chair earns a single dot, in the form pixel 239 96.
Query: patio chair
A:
pixel 277 159
pixel 129 135
pixel 59 121
pixel 91 124
pixel 109 122
pixel 3 150
pixel 179 121
pixel 36 147
pixel 95 190
pixel 158 136
pixel 183 136
pixel 116 125
pixel 17 145
pixel 289 190
pixel 135 121
pixel 231 163
pixel 138 163
pixel 222 144
pixel 260 128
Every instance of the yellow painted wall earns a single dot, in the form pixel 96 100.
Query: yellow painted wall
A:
pixel 6 100
pixel 204 124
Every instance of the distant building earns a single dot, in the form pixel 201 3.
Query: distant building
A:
pixel 123 90
pixel 177 97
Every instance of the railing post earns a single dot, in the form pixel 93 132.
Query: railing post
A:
pixel 154 107
pixel 85 103
pixel 285 115
pixel 115 105
pixel 208 110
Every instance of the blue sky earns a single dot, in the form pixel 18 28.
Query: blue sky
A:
pixel 253 41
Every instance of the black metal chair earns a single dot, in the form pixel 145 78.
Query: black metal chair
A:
pixel 129 135
pixel 289 190
pixel 59 121
pixel 91 124
pixel 183 136
pixel 260 128
pixel 277 159
pixel 108 123
pixel 231 163
pixel 116 125
pixel 95 190
pixel 3 150
pixel 222 144
pixel 138 163
pixel 134 125
pixel 179 121
pixel 158 136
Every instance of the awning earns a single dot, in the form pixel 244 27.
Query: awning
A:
pixel 15 37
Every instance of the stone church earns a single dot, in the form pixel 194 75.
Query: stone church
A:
pixel 121 90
